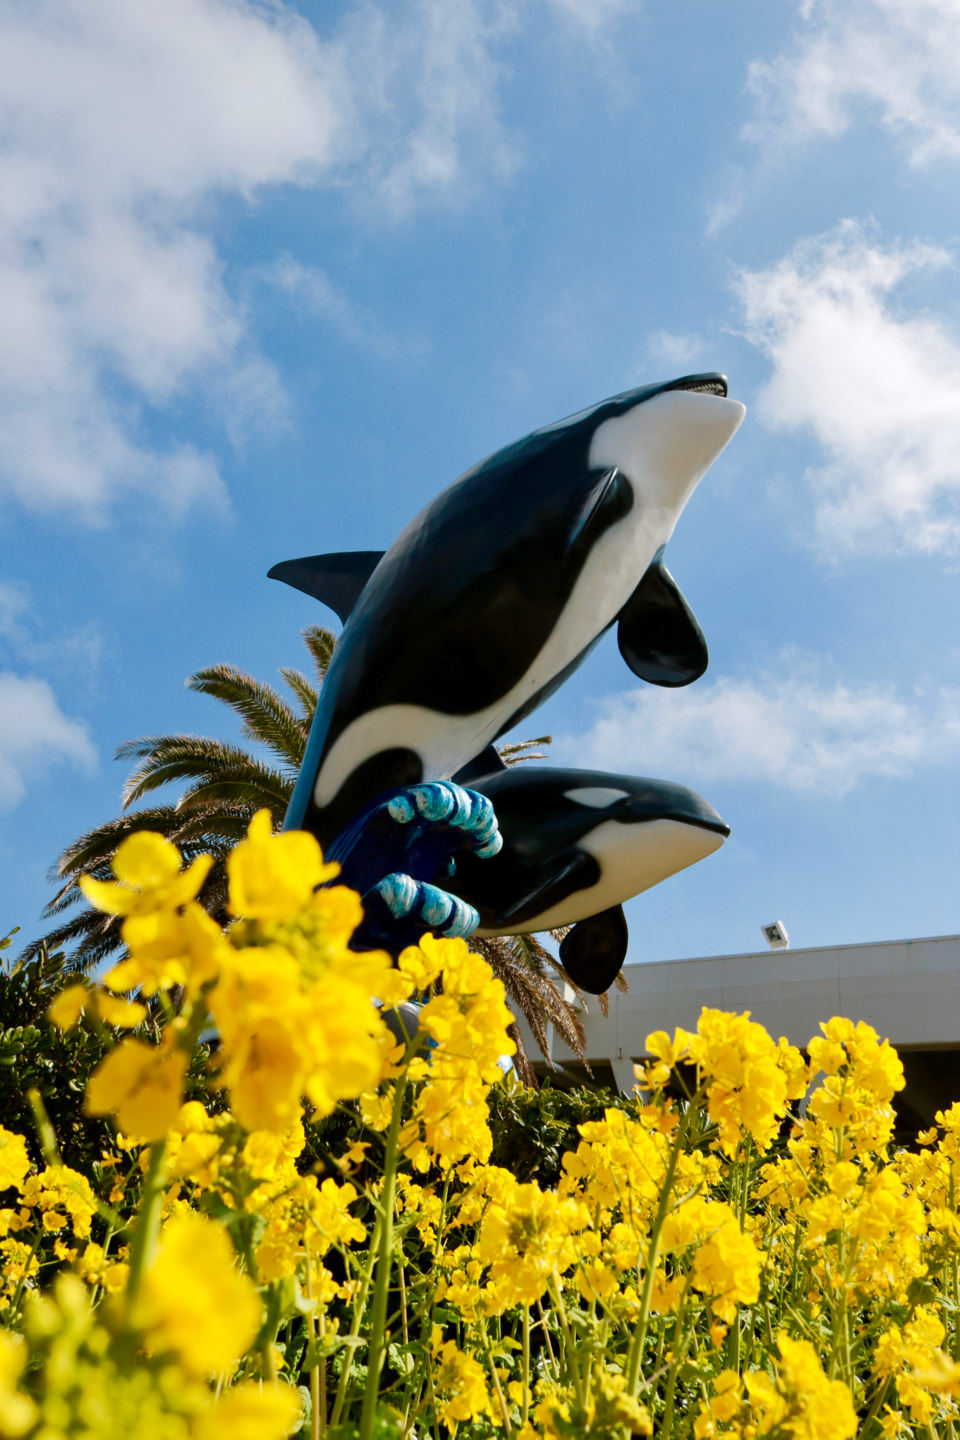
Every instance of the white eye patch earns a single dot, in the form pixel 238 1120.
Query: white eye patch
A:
pixel 596 796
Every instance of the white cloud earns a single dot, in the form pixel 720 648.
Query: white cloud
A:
pixel 118 121
pixel 789 727
pixel 76 650
pixel 14 610
pixel 425 94
pixel 673 351
pixel 595 18
pixel 318 295
pixel 875 385
pixel 121 124
pixel 898 59
pixel 34 734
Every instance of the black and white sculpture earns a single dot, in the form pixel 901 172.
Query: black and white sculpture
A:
pixel 484 605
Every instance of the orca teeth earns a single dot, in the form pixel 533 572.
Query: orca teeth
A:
pixel 702 385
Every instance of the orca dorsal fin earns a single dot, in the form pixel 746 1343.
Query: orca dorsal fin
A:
pixel 334 580
pixel 658 634
pixel 593 952
pixel 488 762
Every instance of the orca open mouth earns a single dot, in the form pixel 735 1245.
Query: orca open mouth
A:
pixel 712 384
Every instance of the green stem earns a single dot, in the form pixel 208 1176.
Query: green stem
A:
pixel 640 1333
pixel 48 1140
pixel 570 1349
pixel 681 1343
pixel 495 1379
pixel 315 1399
pixel 18 1295
pixel 546 1336
pixel 144 1237
pixel 526 1365
pixel 883 1389
pixel 359 1305
pixel 381 1288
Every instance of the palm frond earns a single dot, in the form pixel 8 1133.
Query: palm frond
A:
pixel 320 642
pixel 520 750
pixel 518 960
pixel 307 695
pixel 259 788
pixel 521 1060
pixel 95 936
pixel 168 758
pixel 97 846
pixel 215 829
pixel 267 717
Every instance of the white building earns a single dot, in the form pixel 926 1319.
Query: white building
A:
pixel 908 990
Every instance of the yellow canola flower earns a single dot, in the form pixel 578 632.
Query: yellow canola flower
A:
pixel 670 1052
pixel 96 1268
pixel 726 1262
pixel 18 1414
pixel 273 876
pixel 113 1010
pixel 800 1403
pixel 872 1064
pixel 170 947
pixel 66 1009
pixel 140 1084
pixel 422 963
pixel 121 1014
pixel 60 1193
pixel 821 1409
pixel 747 1085
pixel 251 1412
pixel 147 867
pixel 453 1116
pixel 469 1021
pixel 939 1373
pixel 524 1239
pixel 282 1039
pixel 14 1160
pixel 195 1301
pixel 343 1035
pixel 623 1161
pixel 460 1382
pixel 607 1409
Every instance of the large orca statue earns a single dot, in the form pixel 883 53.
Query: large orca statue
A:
pixel 499 588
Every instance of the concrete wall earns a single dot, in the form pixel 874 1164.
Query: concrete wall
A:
pixel 909 990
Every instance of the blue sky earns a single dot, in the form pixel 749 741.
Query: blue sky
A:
pixel 273 275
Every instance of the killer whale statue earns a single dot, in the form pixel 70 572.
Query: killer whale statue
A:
pixel 497 591
pixel 526 848
pixel 574 845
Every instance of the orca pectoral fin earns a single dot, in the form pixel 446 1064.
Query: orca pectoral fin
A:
pixel 488 762
pixel 595 949
pixel 658 633
pixel 334 580
pixel 575 870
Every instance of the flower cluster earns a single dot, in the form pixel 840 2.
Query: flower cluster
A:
pixel 291 1018
pixel 324 1247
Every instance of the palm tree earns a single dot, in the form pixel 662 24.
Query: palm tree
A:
pixel 226 785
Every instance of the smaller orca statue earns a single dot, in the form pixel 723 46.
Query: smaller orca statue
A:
pixel 495 593
pixel 575 845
